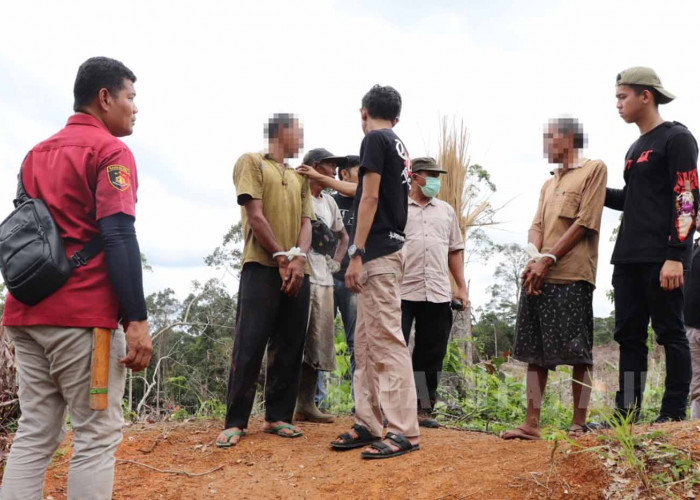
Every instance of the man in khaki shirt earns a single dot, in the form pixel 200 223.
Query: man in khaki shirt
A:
pixel 273 300
pixel 434 249
pixel 555 313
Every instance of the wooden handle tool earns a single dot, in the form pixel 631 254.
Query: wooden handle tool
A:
pixel 99 370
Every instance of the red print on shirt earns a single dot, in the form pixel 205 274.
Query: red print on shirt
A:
pixel 628 164
pixel 644 156
pixel 681 178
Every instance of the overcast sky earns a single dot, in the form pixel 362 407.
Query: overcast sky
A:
pixel 211 73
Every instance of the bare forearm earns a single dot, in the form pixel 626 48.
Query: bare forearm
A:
pixel 535 237
pixel 455 262
pixel 343 187
pixel 304 241
pixel 568 241
pixel 264 235
pixel 366 211
pixel 342 246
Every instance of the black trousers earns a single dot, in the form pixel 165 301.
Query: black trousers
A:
pixel 638 297
pixel 266 318
pixel 433 326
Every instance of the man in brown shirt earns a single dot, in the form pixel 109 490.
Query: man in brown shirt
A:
pixel 555 313
pixel 273 299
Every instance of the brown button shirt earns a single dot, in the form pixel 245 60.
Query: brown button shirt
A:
pixel 432 232
pixel 574 197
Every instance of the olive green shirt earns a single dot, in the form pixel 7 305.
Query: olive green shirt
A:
pixel 286 199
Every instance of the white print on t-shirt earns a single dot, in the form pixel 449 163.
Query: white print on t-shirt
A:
pixel 396 236
pixel 403 154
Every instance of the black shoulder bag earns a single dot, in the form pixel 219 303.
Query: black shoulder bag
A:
pixel 33 260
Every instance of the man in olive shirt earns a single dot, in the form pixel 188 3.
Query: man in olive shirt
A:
pixel 555 313
pixel 273 300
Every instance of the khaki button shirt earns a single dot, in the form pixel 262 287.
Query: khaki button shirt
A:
pixel 574 197
pixel 286 199
pixel 432 232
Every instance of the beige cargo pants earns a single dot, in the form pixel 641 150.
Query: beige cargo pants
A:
pixel 53 367
pixel 384 371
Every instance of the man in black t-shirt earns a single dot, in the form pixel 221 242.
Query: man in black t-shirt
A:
pixel 346 302
pixel 383 374
pixel 659 204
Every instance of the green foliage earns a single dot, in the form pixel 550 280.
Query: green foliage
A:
pixel 603 330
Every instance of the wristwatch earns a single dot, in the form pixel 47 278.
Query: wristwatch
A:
pixel 353 251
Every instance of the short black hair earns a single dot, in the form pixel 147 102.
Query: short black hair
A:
pixel 568 126
pixel 353 161
pixel 383 103
pixel 279 121
pixel 99 73
pixel 638 89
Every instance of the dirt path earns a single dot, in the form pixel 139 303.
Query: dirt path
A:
pixel 450 465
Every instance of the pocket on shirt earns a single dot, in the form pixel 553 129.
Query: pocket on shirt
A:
pixel 570 203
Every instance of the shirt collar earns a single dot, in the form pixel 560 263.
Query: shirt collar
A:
pixel 270 158
pixel 580 163
pixel 86 119
pixel 431 201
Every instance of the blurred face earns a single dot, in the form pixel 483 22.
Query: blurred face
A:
pixel 351 174
pixel 556 144
pixel 291 139
pixel 631 106
pixel 326 168
pixel 119 110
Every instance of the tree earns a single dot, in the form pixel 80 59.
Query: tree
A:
pixel 505 292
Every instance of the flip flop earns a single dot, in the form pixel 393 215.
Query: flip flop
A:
pixel 229 436
pixel 518 433
pixel 277 431
pixel 576 431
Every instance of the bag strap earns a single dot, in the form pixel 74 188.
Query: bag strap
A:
pixel 89 250
pixel 80 257
pixel 21 195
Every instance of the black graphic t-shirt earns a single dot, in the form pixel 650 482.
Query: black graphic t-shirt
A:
pixel 383 152
pixel 345 205
pixel 659 202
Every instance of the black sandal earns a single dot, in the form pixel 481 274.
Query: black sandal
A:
pixel 364 437
pixel 386 451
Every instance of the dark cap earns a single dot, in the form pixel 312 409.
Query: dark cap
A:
pixel 320 154
pixel 426 164
pixel 639 75
pixel 353 161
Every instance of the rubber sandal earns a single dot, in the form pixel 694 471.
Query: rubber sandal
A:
pixel 386 451
pixel 576 430
pixel 229 436
pixel 277 431
pixel 364 437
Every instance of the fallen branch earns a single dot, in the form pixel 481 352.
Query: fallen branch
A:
pixel 167 471
pixel 8 403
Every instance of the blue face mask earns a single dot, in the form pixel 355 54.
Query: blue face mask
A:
pixel 432 186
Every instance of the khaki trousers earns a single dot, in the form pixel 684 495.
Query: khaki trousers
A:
pixel 53 367
pixel 694 340
pixel 383 373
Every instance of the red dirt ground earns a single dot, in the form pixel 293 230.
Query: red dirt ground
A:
pixel 450 465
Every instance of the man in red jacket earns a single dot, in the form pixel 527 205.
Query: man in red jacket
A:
pixel 87 178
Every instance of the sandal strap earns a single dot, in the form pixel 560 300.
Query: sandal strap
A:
pixel 400 440
pixel 382 448
pixel 363 432
pixel 346 438
pixel 231 434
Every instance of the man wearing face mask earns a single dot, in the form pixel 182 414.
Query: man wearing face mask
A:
pixel 434 249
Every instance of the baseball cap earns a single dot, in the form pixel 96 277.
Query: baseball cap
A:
pixel 321 154
pixel 426 164
pixel 640 75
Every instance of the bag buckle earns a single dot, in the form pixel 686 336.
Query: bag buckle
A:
pixel 78 259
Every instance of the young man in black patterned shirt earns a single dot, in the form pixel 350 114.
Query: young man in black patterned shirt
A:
pixel 659 204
